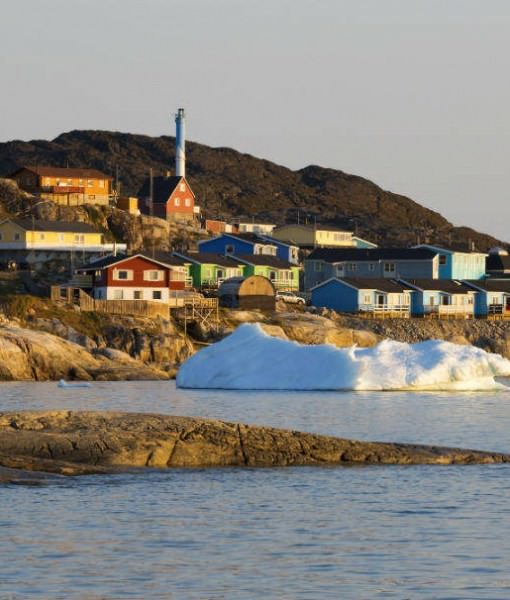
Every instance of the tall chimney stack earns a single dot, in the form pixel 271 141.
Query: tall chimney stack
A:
pixel 180 135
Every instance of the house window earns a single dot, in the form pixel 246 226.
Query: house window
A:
pixel 389 267
pixel 118 294
pixel 367 299
pixel 91 197
pixel 156 295
pixel 153 275
pixel 90 183
pixel 177 202
pixel 101 183
pixel 371 266
pixel 79 238
pixel 41 236
pixel 431 301
pixel 229 249
pixel 137 295
pixel 352 267
pixel 17 237
pixel 61 237
pixel 442 259
pixel 220 273
pixel 272 275
pixel 122 275
pixel 187 202
pixel 317 266
pixel 98 274
pixel 182 187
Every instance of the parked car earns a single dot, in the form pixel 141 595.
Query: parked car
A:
pixel 290 297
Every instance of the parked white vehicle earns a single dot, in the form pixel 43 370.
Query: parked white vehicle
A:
pixel 290 297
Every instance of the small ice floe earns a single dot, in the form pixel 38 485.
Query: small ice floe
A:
pixel 73 384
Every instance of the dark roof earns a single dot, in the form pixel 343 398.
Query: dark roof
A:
pixel 265 260
pixel 497 262
pixel 74 227
pixel 376 283
pixel 441 285
pixel 333 255
pixel 107 261
pixel 248 236
pixel 103 262
pixel 65 172
pixel 316 226
pixel 272 240
pixel 169 259
pixel 464 248
pixel 210 258
pixel 491 285
pixel 163 188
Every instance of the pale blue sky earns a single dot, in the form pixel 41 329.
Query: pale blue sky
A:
pixel 413 94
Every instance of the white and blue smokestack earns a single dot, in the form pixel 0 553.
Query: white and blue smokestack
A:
pixel 180 136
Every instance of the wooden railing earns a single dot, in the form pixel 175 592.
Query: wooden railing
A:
pixel 144 308
pixel 449 309
pixel 380 308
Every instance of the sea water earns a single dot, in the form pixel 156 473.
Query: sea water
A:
pixel 300 532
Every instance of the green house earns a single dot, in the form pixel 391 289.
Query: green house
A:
pixel 283 275
pixel 208 271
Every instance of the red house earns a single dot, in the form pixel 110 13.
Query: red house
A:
pixel 134 277
pixel 172 199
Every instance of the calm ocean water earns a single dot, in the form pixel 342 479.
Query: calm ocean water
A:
pixel 358 532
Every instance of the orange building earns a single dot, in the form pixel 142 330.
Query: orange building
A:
pixel 65 185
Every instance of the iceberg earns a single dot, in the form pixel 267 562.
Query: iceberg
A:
pixel 250 359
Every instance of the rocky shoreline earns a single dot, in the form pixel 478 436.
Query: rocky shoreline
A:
pixel 77 443
pixel 64 344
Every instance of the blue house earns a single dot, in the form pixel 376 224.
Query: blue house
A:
pixel 492 297
pixel 455 264
pixel 441 298
pixel 249 243
pixel 376 296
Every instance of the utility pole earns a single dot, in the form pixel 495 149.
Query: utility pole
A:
pixel 151 207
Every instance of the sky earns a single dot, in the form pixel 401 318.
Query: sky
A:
pixel 411 94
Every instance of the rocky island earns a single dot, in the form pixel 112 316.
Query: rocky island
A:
pixel 76 443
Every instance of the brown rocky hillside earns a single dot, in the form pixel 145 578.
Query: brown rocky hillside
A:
pixel 228 183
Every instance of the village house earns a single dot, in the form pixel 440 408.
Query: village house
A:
pixel 458 264
pixel 318 236
pixel 209 270
pixel 389 263
pixel 172 199
pixel 249 243
pixel 282 274
pixel 37 242
pixel 377 296
pixel 442 298
pixel 253 227
pixel 134 277
pixel 492 298
pixel 66 186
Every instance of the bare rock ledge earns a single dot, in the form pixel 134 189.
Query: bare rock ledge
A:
pixel 74 443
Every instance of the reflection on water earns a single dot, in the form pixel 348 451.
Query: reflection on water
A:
pixel 372 532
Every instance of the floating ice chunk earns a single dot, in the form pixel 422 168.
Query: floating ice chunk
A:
pixel 249 359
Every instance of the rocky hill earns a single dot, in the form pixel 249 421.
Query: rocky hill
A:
pixel 228 183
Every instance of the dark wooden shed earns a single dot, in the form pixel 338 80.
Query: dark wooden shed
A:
pixel 254 291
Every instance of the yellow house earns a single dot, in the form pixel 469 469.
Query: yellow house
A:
pixel 306 236
pixel 66 186
pixel 28 234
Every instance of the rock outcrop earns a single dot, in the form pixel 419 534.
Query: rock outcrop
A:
pixel 26 354
pixel 71 443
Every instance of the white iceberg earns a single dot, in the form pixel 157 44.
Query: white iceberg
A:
pixel 250 359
